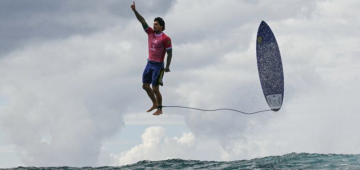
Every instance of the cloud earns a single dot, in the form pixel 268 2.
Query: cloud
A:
pixel 157 146
pixel 63 99
pixel 24 22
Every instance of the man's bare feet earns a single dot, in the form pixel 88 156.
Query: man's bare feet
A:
pixel 158 112
pixel 152 108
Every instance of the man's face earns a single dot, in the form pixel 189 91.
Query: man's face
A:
pixel 157 26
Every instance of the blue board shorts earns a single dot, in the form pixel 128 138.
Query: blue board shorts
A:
pixel 153 73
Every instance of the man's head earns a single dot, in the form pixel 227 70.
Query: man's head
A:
pixel 159 24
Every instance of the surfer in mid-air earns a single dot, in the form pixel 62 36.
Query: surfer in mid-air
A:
pixel 159 44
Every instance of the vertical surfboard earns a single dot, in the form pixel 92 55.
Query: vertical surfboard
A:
pixel 270 67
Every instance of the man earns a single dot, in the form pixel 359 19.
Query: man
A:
pixel 159 44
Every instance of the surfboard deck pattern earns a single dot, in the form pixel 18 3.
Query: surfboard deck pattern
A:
pixel 270 67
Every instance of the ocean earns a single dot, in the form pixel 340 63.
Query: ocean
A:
pixel 288 161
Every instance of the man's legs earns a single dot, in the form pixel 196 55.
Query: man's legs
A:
pixel 157 93
pixel 153 73
pixel 150 92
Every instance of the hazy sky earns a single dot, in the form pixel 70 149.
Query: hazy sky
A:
pixel 71 95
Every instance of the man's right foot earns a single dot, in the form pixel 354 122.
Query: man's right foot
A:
pixel 152 108
pixel 158 112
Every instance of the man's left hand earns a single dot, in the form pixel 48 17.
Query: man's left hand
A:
pixel 167 69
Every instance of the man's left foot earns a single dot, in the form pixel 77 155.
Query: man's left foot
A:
pixel 158 112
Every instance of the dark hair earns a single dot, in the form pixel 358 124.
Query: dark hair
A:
pixel 161 22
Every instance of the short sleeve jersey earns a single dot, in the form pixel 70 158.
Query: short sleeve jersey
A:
pixel 158 45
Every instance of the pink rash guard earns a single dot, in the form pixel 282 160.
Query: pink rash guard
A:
pixel 158 45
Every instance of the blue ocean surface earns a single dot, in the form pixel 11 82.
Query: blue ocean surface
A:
pixel 288 161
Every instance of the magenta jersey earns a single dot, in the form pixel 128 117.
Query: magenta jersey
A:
pixel 158 45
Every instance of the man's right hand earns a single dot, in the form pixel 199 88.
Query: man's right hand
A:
pixel 138 16
pixel 133 6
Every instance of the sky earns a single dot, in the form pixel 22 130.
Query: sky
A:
pixel 71 91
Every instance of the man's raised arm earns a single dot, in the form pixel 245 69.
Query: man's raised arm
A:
pixel 138 16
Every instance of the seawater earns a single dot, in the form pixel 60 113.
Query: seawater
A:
pixel 288 161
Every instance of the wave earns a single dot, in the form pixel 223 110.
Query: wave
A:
pixel 288 161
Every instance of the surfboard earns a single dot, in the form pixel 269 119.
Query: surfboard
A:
pixel 270 66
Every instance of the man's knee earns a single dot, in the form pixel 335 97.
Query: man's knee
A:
pixel 146 86
pixel 156 89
